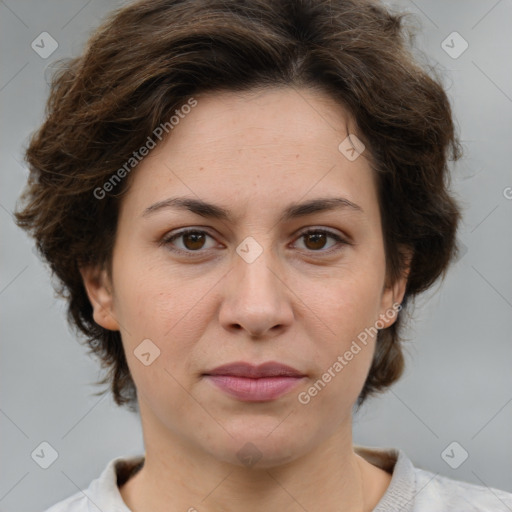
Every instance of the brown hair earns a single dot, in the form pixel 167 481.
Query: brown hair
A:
pixel 150 56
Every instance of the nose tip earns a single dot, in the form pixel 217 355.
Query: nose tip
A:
pixel 255 299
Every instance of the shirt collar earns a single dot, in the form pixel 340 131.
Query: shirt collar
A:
pixel 104 493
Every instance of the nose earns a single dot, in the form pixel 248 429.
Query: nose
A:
pixel 256 297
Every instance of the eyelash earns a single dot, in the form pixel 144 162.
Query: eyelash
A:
pixel 189 253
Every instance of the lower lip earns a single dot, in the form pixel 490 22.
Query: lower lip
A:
pixel 254 390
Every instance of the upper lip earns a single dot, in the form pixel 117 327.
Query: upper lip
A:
pixel 243 369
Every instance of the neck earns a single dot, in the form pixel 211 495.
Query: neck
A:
pixel 179 477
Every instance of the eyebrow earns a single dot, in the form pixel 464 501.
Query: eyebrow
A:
pixel 212 211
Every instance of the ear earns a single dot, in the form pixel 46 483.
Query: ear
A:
pixel 393 294
pixel 99 290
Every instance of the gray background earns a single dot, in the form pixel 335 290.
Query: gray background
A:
pixel 457 385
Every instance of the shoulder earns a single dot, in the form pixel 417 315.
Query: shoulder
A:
pixel 75 503
pixel 103 492
pixel 413 489
pixel 437 492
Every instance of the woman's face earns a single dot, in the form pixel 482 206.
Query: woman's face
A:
pixel 249 285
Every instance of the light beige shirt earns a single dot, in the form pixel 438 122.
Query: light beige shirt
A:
pixel 411 489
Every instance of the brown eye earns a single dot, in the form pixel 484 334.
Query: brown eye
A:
pixel 190 241
pixel 315 240
pixel 193 240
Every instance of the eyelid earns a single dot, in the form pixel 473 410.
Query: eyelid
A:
pixel 325 230
pixel 339 238
pixel 173 235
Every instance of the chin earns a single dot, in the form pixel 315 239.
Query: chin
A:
pixel 260 447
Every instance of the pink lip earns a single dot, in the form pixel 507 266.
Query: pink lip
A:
pixel 246 382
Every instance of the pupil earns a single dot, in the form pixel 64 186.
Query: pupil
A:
pixel 195 238
pixel 316 237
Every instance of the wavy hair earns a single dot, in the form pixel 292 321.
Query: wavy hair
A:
pixel 150 56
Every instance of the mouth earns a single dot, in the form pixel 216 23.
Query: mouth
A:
pixel 250 383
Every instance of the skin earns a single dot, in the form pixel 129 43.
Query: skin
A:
pixel 301 302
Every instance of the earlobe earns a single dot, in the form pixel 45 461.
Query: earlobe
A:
pixel 99 290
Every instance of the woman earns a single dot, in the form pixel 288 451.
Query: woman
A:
pixel 239 209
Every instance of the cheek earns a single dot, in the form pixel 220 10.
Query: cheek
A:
pixel 148 301
pixel 343 316
pixel 349 304
pixel 170 311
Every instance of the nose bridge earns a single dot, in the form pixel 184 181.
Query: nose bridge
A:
pixel 256 296
pixel 256 282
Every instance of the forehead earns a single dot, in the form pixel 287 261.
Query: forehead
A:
pixel 280 117
pixel 256 147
